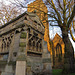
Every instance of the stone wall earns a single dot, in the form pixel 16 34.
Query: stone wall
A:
pixel 25 46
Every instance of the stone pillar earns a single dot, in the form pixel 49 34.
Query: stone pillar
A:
pixel 47 65
pixel 8 70
pixel 10 48
pixel 21 59
pixel 21 65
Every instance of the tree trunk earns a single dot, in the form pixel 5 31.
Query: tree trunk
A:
pixel 69 52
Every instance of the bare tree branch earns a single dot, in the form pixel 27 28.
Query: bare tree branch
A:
pixel 58 15
pixel 53 25
pixel 71 17
pixel 60 4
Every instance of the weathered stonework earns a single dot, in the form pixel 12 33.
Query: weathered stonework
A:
pixel 21 68
pixel 58 52
pixel 22 41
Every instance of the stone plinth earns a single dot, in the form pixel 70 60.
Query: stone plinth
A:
pixel 21 68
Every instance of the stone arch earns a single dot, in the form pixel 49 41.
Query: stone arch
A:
pixel 2 47
pixel 4 44
pixel 37 46
pixel 58 49
pixel 59 52
pixel 30 44
pixel 40 47
pixel 33 45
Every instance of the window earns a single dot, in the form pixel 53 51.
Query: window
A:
pixel 17 31
pixel 39 24
pixel 40 47
pixel 37 47
pixel 35 34
pixel 29 30
pixel 11 36
pixel 35 21
pixel 30 42
pixel 25 18
pixel 2 46
pixel 5 38
pixel 58 49
pixel 29 35
pixel 15 54
pixel 7 44
pixel 33 43
pixel 59 52
pixel 2 39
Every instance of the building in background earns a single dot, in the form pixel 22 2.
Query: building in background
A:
pixel 58 52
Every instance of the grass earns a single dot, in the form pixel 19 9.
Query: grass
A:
pixel 59 72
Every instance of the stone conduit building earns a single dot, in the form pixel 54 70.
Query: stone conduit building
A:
pixel 23 50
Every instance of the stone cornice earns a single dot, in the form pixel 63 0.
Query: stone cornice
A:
pixel 20 22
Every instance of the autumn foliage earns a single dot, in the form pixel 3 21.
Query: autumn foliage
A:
pixel 40 8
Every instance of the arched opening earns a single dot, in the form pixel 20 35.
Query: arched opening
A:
pixel 2 47
pixel 59 52
pixel 7 44
pixel 25 18
pixel 28 30
pixel 40 47
pixel 34 45
pixel 30 45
